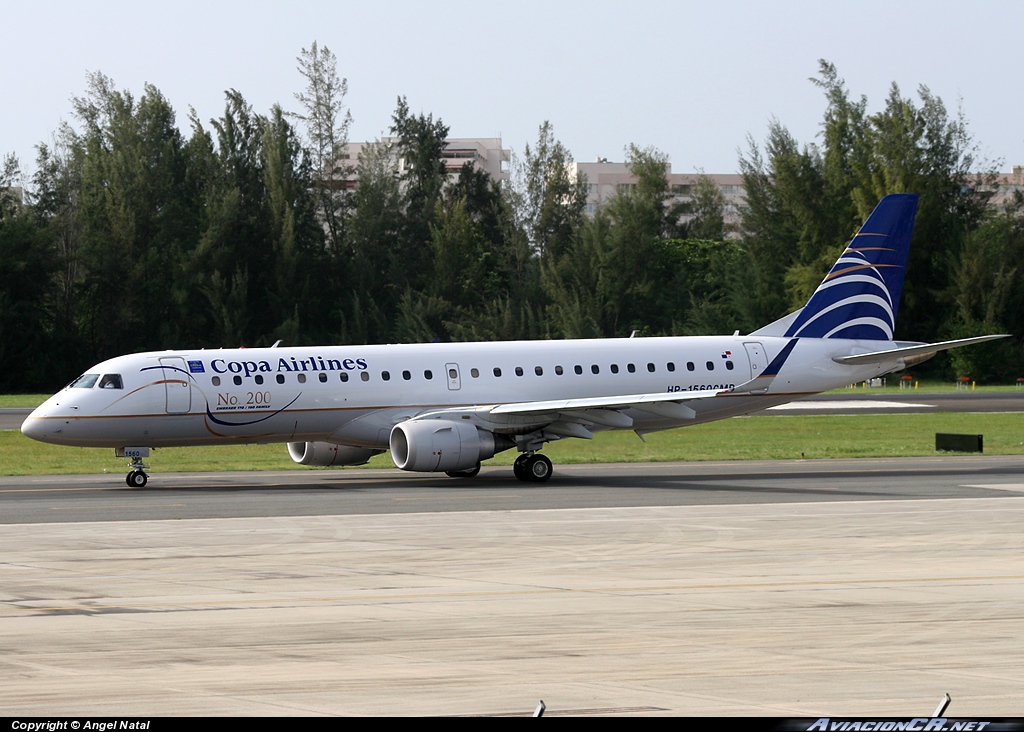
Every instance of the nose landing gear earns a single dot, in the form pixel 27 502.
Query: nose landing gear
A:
pixel 137 478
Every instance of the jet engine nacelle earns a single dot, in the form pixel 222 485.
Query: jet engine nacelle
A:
pixel 432 445
pixel 325 454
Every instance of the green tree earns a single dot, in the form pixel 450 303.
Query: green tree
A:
pixel 27 266
pixel 301 275
pixel 804 204
pixel 989 295
pixel 327 124
pixel 708 210
pixel 373 239
pixel 57 186
pixel 134 221
pixel 634 271
pixel 550 199
pixel 419 143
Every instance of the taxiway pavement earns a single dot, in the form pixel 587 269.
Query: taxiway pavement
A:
pixel 794 589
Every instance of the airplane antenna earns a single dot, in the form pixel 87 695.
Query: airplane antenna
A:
pixel 539 711
pixel 633 334
pixel 939 710
pixel 278 343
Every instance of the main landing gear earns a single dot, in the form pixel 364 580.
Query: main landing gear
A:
pixel 529 468
pixel 532 468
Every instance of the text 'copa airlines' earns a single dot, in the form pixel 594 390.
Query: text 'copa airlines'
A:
pixel 248 368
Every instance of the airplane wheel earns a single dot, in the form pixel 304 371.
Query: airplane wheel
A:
pixel 471 473
pixel 519 467
pixel 538 468
pixel 136 479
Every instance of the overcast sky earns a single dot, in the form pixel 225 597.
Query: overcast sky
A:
pixel 692 79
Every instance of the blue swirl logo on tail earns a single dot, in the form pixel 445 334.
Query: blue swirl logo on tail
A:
pixel 860 296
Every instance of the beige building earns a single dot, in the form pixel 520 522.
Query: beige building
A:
pixel 605 179
pixel 1008 184
pixel 484 153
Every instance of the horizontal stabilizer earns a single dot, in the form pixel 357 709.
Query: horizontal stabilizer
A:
pixel 925 348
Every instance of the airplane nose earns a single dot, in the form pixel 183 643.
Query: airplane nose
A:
pixel 34 427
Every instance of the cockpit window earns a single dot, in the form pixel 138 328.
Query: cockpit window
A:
pixel 111 381
pixel 85 381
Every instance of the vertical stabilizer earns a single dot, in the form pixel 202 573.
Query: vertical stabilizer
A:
pixel 860 296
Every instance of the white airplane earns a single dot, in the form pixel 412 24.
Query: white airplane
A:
pixel 447 406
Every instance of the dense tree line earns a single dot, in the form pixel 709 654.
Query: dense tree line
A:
pixel 135 236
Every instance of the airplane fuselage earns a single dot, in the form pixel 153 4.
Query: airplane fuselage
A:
pixel 354 395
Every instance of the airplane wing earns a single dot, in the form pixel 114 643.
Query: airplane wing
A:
pixel 575 417
pixel 627 401
pixel 922 349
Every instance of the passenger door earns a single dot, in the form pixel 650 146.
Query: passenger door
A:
pixel 758 361
pixel 176 385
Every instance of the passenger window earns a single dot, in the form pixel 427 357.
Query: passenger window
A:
pixel 615 368
pixel 428 374
pixel 650 367
pixel 671 366
pixel 497 371
pixel 258 378
pixel 690 366
pixel 237 380
pixel 302 378
pixel 519 370
pixel 475 373
pixel 406 375
pixel 85 381
pixel 364 375
pixel 558 370
pixel 578 369
pixel 538 370
pixel 595 369
pixel 710 365
pixel 280 378
pixel 728 365
pixel 452 374
pixel 631 368
pixel 111 381
pixel 323 379
pixel 216 380
pixel 385 375
pixel 344 376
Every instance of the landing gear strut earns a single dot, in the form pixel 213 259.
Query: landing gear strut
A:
pixel 534 468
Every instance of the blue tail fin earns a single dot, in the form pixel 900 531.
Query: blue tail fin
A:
pixel 860 296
